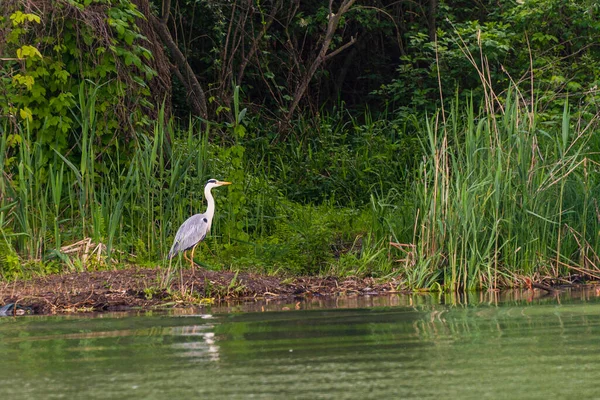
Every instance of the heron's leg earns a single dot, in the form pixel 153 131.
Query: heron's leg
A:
pixel 192 259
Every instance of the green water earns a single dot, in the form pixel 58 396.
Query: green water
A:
pixel 398 347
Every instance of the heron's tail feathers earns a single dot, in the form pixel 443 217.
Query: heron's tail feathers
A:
pixel 174 250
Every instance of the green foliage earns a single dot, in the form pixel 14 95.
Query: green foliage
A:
pixel 10 264
pixel 300 239
pixel 452 57
pixel 559 35
pixel 235 171
pixel 338 157
pixel 542 45
pixel 49 56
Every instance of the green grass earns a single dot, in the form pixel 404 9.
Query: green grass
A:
pixel 96 209
pixel 467 200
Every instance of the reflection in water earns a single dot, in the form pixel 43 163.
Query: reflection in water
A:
pixel 517 296
pixel 203 347
pixel 498 345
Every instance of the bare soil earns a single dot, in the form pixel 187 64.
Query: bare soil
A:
pixel 143 288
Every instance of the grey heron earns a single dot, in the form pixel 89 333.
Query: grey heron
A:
pixel 195 228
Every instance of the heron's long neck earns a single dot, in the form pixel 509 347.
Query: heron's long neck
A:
pixel 210 209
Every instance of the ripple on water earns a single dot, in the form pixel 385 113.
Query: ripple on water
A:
pixel 514 349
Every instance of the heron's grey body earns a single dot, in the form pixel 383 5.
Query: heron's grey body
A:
pixel 196 227
pixel 192 231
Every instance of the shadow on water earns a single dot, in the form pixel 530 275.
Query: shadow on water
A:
pixel 498 345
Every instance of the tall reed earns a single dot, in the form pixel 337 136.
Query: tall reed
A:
pixel 500 197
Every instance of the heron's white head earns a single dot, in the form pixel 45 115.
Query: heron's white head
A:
pixel 215 183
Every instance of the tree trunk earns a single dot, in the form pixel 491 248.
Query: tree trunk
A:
pixel 431 19
pixel 196 98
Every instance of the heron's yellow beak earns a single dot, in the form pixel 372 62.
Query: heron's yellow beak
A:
pixel 221 183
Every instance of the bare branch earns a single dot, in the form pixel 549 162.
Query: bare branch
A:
pixel 340 49
pixel 322 56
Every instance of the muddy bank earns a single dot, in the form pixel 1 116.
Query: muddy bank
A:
pixel 153 288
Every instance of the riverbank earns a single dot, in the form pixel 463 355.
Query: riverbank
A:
pixel 147 288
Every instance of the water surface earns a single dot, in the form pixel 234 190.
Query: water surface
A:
pixel 357 348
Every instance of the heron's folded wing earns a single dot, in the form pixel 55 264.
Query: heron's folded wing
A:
pixel 193 230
